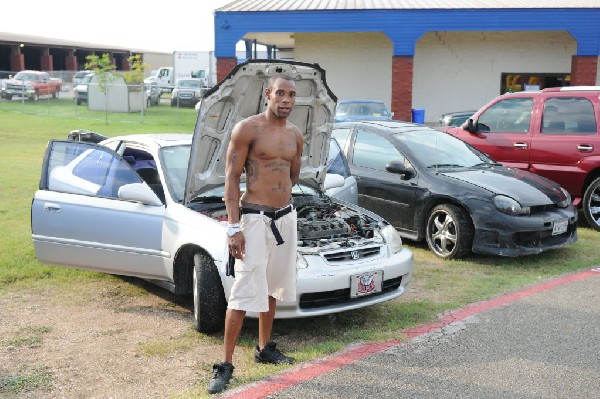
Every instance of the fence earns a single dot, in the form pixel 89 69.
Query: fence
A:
pixel 119 102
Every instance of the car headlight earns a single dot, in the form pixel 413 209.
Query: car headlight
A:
pixel 564 203
pixel 301 263
pixel 392 237
pixel 508 205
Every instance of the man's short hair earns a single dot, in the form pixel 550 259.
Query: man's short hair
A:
pixel 273 78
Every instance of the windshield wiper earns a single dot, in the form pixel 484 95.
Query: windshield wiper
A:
pixel 209 199
pixel 486 164
pixel 444 165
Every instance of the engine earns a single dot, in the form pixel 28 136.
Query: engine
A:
pixel 323 223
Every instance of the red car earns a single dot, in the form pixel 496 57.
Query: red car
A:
pixel 553 132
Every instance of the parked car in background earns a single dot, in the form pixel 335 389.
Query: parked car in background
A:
pixel 554 133
pixel 79 75
pixel 433 186
pixel 153 92
pixel 454 118
pixel 32 85
pixel 187 92
pixel 81 90
pixel 360 110
pixel 151 206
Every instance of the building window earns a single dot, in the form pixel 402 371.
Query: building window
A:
pixel 511 82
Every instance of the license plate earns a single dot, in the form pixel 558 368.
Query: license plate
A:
pixel 366 284
pixel 560 226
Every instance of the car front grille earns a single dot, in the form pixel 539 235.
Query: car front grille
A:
pixel 338 297
pixel 16 87
pixel 542 239
pixel 352 254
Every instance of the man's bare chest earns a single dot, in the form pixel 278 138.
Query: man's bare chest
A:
pixel 274 147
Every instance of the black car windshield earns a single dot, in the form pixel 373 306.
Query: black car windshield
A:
pixel 436 149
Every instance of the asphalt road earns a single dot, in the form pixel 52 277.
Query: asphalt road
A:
pixel 541 342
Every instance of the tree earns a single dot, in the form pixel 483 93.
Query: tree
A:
pixel 103 68
pixel 136 74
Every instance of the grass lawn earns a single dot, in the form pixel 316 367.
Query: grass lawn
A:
pixel 438 285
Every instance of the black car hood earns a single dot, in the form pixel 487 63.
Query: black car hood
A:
pixel 525 187
pixel 242 94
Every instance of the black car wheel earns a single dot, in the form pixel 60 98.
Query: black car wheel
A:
pixel 209 297
pixel 591 204
pixel 449 232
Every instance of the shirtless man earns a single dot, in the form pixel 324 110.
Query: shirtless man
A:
pixel 263 239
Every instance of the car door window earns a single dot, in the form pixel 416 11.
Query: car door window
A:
pixel 374 151
pixel 510 115
pixel 568 115
pixel 341 135
pixel 81 168
pixel 336 161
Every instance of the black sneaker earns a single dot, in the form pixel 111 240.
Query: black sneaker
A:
pixel 222 373
pixel 270 354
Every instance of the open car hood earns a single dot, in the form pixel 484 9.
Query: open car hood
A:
pixel 242 94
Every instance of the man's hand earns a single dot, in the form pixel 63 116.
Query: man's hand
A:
pixel 237 245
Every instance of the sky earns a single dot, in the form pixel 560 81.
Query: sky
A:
pixel 162 26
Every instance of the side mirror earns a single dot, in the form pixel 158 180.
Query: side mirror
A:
pixel 399 168
pixel 471 126
pixel 333 180
pixel 139 192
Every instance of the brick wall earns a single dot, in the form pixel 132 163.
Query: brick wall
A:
pixel 224 66
pixel 402 80
pixel 584 70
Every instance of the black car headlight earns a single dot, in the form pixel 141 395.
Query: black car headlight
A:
pixel 510 206
pixel 564 203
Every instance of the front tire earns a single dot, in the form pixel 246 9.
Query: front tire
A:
pixel 209 297
pixel 449 232
pixel 591 204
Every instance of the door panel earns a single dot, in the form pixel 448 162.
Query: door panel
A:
pixel 79 221
pixel 380 191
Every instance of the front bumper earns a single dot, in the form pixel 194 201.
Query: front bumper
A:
pixel 19 92
pixel 506 235
pixel 324 288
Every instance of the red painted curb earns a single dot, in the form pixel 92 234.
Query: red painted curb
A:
pixel 311 370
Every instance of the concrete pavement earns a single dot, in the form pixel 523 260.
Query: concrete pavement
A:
pixel 541 342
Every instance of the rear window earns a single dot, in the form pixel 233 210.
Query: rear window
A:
pixel 568 115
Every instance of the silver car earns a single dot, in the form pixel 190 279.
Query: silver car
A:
pixel 151 206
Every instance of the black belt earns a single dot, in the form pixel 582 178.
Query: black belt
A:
pixel 273 215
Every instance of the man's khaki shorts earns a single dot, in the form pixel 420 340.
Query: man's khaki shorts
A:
pixel 267 269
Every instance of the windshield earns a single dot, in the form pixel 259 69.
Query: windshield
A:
pixel 436 149
pixel 26 76
pixel 175 164
pixel 362 108
pixel 87 79
pixel 188 83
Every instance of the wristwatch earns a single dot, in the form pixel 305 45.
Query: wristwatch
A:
pixel 232 231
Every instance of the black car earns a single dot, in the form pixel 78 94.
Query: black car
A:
pixel 431 185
